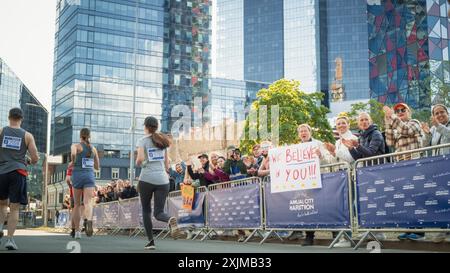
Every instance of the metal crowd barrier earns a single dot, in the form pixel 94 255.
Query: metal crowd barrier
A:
pixel 389 162
pixel 222 199
pixel 330 170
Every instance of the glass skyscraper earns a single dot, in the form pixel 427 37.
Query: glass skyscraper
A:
pixel 15 94
pixel 301 40
pixel 94 67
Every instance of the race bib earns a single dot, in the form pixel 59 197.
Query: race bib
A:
pixel 155 154
pixel 88 163
pixel 12 143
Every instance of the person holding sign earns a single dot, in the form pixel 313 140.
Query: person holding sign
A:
pixel 16 142
pixel 305 135
pixel 85 159
pixel 154 179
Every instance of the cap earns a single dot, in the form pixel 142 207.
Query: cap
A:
pixel 203 155
pixel 16 113
pixel 401 104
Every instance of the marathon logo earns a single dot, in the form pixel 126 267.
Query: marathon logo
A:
pixel 372 206
pixel 420 211
pixel 363 199
pixel 448 183
pixel 222 209
pixel 399 212
pixel 227 204
pixel 242 203
pixel 431 202
pixel 389 189
pixel 371 190
pixel 380 197
pixel 419 194
pixel 230 198
pixel 399 196
pixel 442 192
pixel 234 213
pixel 11 143
pixel 247 218
pixel 238 208
pixel 418 177
pixel 230 218
pixel 381 213
pixel 233 203
pixel 409 204
pixel 226 214
pixel 219 214
pixel 251 212
pixel 379 182
pixel 251 201
pixel 389 205
pixel 408 187
pixel 242 213
pixel 256 207
pixel 246 197
pixel 398 179
pixel 442 211
pixel 430 185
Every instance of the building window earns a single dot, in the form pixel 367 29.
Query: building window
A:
pixel 115 173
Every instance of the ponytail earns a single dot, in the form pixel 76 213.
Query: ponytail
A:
pixel 85 134
pixel 161 141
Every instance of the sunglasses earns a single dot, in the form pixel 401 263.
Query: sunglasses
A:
pixel 401 110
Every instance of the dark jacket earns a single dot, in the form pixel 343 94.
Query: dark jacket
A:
pixel 235 169
pixel 128 192
pixel 203 180
pixel 371 143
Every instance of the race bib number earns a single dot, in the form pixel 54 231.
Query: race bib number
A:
pixel 155 154
pixel 12 143
pixel 88 163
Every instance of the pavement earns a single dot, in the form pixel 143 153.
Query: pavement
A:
pixel 41 241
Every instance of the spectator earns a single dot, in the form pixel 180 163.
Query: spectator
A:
pixel 217 173
pixel 264 169
pixel 370 142
pixel 340 151
pixel 402 132
pixel 199 173
pixel 440 132
pixel 178 174
pixel 234 166
pixel 257 153
pixel 128 191
pixel 305 135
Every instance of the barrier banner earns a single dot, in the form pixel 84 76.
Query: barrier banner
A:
pixel 63 219
pixel 188 218
pixel 129 213
pixel 235 207
pixel 407 194
pixel 110 214
pixel 294 167
pixel 97 216
pixel 315 208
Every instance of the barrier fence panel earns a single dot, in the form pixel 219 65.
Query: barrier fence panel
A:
pixel 129 213
pixel 97 216
pixel 110 214
pixel 194 218
pixel 63 219
pixel 235 204
pixel 325 208
pixel 404 195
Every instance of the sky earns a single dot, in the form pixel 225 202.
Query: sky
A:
pixel 27 30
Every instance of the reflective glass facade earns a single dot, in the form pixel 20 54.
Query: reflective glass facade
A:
pixel 408 42
pixel 230 99
pixel 15 94
pixel 94 67
pixel 347 39
pixel 230 39
pixel 263 40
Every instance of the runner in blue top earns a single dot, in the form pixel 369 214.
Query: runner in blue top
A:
pixel 85 158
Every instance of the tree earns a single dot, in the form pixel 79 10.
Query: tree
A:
pixel 295 107
pixel 373 107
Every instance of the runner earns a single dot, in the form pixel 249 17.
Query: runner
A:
pixel 85 158
pixel 72 202
pixel 153 158
pixel 13 175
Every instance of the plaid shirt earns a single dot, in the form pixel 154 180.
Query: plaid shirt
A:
pixel 403 136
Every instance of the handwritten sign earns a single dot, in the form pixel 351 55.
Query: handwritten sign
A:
pixel 294 168
pixel 187 193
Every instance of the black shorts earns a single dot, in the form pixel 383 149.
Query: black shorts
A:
pixel 13 186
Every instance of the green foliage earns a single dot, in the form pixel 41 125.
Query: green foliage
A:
pixel 373 107
pixel 296 107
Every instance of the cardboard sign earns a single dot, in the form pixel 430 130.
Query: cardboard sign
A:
pixel 187 193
